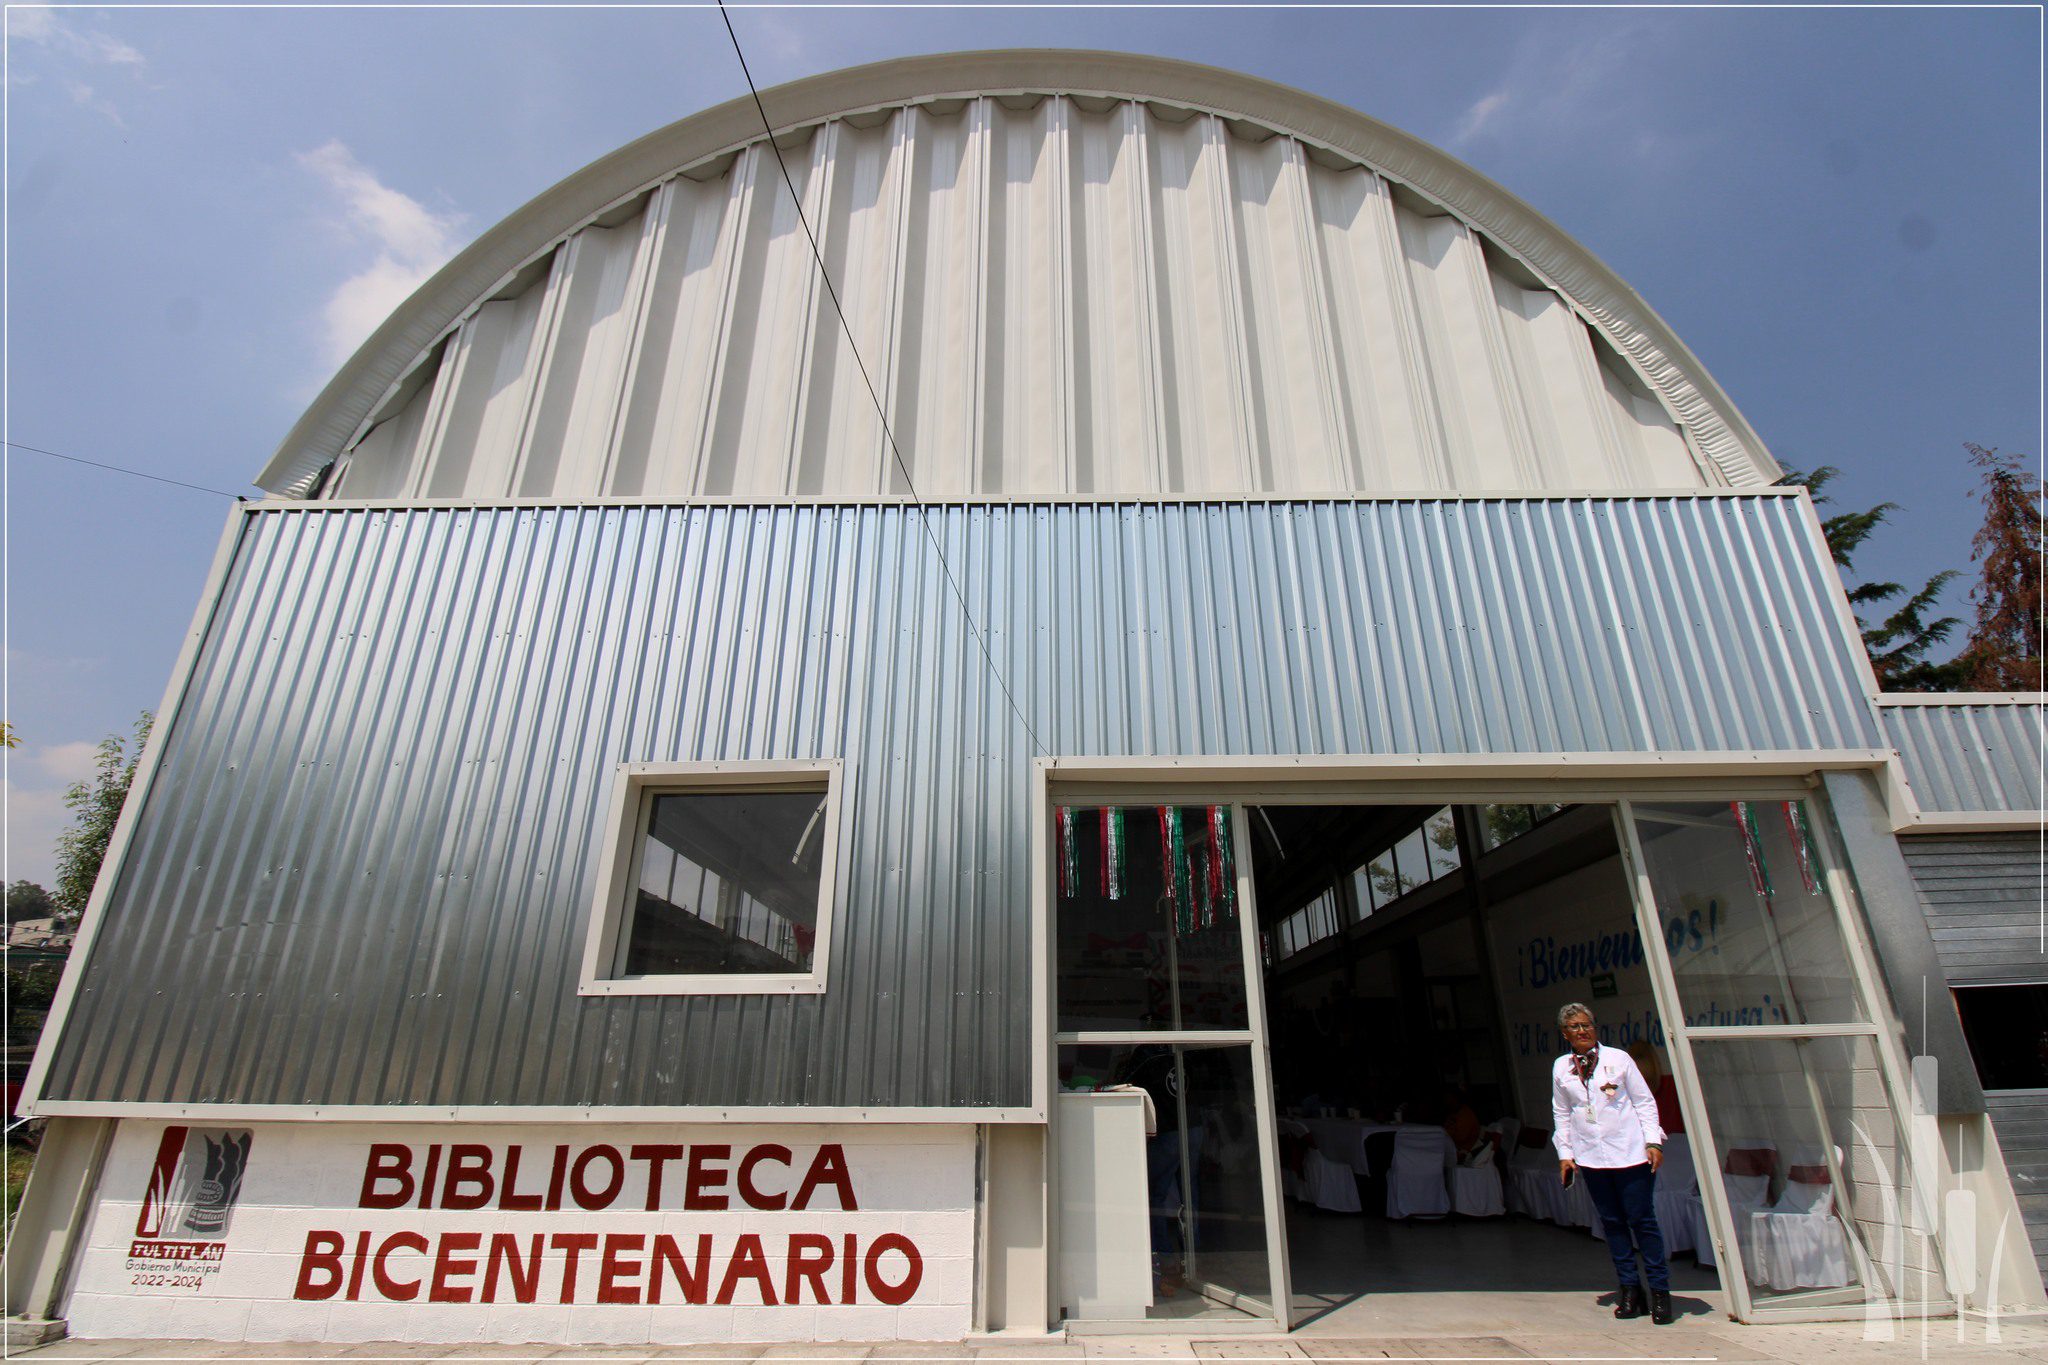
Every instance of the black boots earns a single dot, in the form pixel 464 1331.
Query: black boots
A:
pixel 1634 1301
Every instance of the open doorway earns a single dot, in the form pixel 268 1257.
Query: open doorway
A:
pixel 1414 959
pixel 1301 1054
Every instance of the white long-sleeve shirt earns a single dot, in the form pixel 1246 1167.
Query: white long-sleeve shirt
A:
pixel 1607 1121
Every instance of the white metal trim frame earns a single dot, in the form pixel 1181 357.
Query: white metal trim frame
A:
pixel 626 825
pixel 1105 500
pixel 1962 699
pixel 1715 429
pixel 963 1117
pixel 1047 1038
pixel 1606 779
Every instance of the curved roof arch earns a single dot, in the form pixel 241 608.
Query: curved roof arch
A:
pixel 1478 417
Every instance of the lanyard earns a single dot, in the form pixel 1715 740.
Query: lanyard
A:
pixel 1585 1079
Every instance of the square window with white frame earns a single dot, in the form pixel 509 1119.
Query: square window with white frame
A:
pixel 718 879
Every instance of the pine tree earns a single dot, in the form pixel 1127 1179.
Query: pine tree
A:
pixel 1900 642
pixel 2004 650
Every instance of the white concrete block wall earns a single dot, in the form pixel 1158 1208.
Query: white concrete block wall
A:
pixel 249 1281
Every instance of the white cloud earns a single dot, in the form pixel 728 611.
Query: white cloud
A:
pixel 1479 115
pixel 38 775
pixel 35 817
pixel 64 763
pixel 409 242
pixel 85 97
pixel 31 24
pixel 64 44
pixel 1571 82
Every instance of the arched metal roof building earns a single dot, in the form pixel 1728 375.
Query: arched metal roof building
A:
pixel 1082 274
pixel 592 751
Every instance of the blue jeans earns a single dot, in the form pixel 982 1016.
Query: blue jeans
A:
pixel 1623 1198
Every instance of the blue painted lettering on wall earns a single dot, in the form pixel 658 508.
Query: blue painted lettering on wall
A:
pixel 1543 1040
pixel 1551 962
pixel 1715 1013
pixel 1545 962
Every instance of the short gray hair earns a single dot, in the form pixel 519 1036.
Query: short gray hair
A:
pixel 1571 1011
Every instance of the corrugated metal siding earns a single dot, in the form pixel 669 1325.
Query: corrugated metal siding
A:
pixel 1067 298
pixel 363 873
pixel 2020 1118
pixel 1971 756
pixel 1983 899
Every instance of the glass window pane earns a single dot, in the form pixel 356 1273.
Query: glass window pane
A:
pixel 1747 918
pixel 728 883
pixel 1177 1219
pixel 1412 860
pixel 1138 949
pixel 1807 1144
pixel 1442 834
pixel 1366 883
pixel 1498 824
pixel 2008 1031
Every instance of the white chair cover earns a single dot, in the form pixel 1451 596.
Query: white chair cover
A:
pixel 1575 1209
pixel 1328 1185
pixel 1475 1191
pixel 1746 1195
pixel 1678 1186
pixel 1532 1175
pixel 1799 1242
pixel 1418 1186
pixel 1510 1130
pixel 1799 1250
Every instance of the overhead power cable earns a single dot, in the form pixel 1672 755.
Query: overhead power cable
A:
pixel 874 396
pixel 119 469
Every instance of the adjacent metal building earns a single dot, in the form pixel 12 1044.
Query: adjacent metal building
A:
pixel 1256 448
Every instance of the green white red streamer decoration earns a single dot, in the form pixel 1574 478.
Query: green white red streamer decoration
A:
pixel 1070 855
pixel 1202 880
pixel 1802 845
pixel 1753 847
pixel 1173 855
pixel 1114 853
pixel 1198 865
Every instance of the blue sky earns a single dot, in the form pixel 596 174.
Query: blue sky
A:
pixel 1837 209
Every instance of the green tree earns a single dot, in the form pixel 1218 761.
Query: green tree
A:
pixel 1900 641
pixel 95 807
pixel 2004 649
pixel 26 901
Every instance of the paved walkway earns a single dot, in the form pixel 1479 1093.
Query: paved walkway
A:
pixel 1601 1340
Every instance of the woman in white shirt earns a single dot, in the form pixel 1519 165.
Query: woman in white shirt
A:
pixel 1606 1134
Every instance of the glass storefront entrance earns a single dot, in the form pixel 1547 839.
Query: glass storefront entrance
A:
pixel 1756 995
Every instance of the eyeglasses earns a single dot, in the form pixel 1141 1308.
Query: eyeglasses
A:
pixel 1578 1028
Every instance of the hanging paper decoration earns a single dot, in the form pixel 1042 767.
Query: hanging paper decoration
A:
pixel 1802 845
pixel 1200 873
pixel 1070 853
pixel 1114 853
pixel 1227 846
pixel 1173 862
pixel 1753 847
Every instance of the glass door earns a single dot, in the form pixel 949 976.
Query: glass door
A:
pixel 1813 1190
pixel 1167 1192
